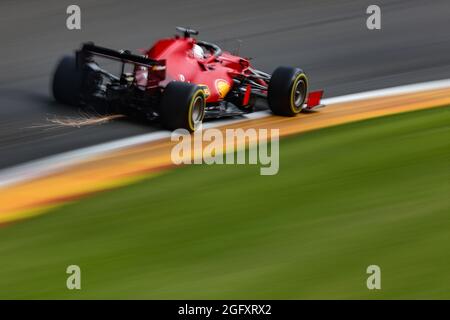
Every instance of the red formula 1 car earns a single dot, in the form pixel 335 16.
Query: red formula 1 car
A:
pixel 181 81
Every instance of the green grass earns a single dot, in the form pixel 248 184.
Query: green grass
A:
pixel 372 192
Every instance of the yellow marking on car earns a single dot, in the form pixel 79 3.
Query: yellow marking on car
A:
pixel 222 87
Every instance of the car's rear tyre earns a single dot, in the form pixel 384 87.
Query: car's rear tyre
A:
pixel 288 88
pixel 67 82
pixel 182 106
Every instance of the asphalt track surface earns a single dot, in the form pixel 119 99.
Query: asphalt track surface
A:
pixel 328 39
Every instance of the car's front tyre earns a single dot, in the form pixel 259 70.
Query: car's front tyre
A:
pixel 288 88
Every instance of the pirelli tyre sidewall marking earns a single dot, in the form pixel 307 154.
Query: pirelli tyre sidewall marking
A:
pixel 197 93
pixel 300 76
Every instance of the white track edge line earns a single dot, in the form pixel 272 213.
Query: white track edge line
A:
pixel 51 164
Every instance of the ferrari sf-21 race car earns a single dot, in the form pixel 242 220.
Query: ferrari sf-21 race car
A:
pixel 181 81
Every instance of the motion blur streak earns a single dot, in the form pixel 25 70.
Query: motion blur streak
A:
pixel 134 163
pixel 328 38
pixel 81 121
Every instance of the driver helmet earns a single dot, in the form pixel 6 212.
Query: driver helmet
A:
pixel 198 52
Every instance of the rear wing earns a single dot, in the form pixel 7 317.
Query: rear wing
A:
pixel 90 49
